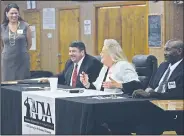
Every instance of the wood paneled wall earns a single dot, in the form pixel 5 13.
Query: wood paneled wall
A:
pixel 158 9
pixel 173 20
pixel 172 24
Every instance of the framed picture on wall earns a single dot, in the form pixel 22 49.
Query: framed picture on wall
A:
pixel 155 30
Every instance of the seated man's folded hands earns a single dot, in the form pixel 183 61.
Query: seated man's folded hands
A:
pixel 140 93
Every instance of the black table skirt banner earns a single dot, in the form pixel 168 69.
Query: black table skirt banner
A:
pixel 26 113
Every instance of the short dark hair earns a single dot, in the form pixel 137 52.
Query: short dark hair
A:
pixel 78 44
pixel 177 43
pixel 7 9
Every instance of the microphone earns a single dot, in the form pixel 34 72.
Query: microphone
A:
pixel 105 125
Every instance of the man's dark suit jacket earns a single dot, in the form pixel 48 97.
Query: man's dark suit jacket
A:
pixel 90 66
pixel 176 76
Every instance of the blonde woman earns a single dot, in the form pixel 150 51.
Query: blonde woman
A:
pixel 117 74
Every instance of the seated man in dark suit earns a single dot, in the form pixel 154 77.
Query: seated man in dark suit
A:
pixel 79 61
pixel 82 62
pixel 167 83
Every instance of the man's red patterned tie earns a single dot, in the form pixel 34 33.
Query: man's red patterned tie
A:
pixel 74 77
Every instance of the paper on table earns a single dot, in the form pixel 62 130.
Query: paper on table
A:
pixel 9 82
pixel 33 87
pixel 39 78
pixel 61 93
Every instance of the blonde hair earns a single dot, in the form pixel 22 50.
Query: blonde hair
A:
pixel 114 49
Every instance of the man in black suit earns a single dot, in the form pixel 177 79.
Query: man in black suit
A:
pixel 167 83
pixel 79 61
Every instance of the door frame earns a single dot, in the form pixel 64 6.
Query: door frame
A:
pixel 39 11
pixel 95 20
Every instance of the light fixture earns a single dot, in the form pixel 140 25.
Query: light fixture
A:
pixel 178 2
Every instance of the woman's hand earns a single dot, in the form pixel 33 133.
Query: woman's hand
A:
pixel 112 84
pixel 84 78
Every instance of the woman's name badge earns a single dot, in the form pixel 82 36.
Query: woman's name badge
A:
pixel 20 31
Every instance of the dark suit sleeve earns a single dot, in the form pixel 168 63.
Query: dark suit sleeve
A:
pixel 175 93
pixel 94 70
pixel 61 76
pixel 92 86
pixel 129 87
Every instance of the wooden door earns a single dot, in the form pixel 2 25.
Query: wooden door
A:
pixel 126 24
pixel 173 20
pixel 134 30
pixel 33 18
pixel 68 32
pixel 108 25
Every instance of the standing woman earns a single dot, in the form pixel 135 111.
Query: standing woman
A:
pixel 16 42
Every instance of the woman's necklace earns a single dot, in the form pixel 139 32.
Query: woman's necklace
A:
pixel 13 36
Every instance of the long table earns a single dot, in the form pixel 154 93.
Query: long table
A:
pixel 78 115
pixel 82 115
pixel 11 107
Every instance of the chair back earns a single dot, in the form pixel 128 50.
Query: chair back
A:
pixel 39 74
pixel 146 66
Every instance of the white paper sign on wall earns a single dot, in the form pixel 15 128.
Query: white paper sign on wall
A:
pixel 31 4
pixel 87 27
pixel 49 21
pixel 33 32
